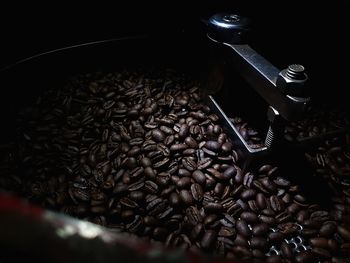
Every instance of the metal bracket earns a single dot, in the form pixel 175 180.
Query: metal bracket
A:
pixel 284 91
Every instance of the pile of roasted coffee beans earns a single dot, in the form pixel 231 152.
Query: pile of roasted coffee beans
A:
pixel 138 151
pixel 319 120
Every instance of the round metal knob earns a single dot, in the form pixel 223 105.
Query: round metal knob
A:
pixel 228 28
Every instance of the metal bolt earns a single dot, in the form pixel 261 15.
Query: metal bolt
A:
pixel 231 18
pixel 296 72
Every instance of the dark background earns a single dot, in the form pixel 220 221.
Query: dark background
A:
pixel 285 32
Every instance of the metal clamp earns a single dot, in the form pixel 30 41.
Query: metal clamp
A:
pixel 284 91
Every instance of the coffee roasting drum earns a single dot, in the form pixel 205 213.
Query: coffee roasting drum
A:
pixel 124 151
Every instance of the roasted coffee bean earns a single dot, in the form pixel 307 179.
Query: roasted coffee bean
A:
pixel 208 239
pixel 189 164
pixel 242 228
pixel 158 135
pixel 286 250
pixel 260 229
pixel 319 242
pixel 174 199
pixel 344 232
pixel 178 147
pixel 249 217
pixel 226 147
pixel 276 203
pixel 259 243
pixel 213 207
pixel 328 229
pixel 190 142
pixel 193 215
pixel 186 197
pixel 261 201
pixel 212 145
pixel 197 231
pixel 248 194
pixel 227 232
pixel 183 182
pixel 197 192
pixel 210 219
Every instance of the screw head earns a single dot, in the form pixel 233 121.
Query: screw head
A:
pixel 296 71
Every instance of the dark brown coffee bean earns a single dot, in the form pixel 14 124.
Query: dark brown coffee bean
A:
pixel 178 147
pixel 210 219
pixel 249 217
pixel 344 232
pixel 174 199
pixel 189 164
pixel 186 197
pixel 229 173
pixel 193 215
pixel 212 145
pixel 286 250
pixel 261 201
pixel 269 185
pixel 197 192
pixel 259 243
pixel 197 231
pixel 319 242
pixel 328 229
pixel 226 147
pixel 146 162
pixel 131 163
pixel 260 229
pixel 242 228
pixel 190 142
pixel 276 203
pixel 227 232
pixel 302 216
pixel 213 207
pixel 183 172
pixel 208 239
pixel 158 135
pixel 183 182
pixel 150 173
pixel 248 194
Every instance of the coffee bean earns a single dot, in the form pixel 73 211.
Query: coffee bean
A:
pixel 190 142
pixel 212 145
pixel 197 192
pixel 261 201
pixel 249 217
pixel 344 232
pixel 208 239
pixel 319 242
pixel 286 250
pixel 197 231
pixel 158 135
pixel 328 229
pixel 199 177
pixel 248 194
pixel 178 147
pixel 242 228
pixel 186 197
pixel 189 164
pixel 258 242
pixel 183 182
pixel 213 207
pixel 260 229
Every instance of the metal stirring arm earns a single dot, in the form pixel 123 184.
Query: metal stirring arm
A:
pixel 284 91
